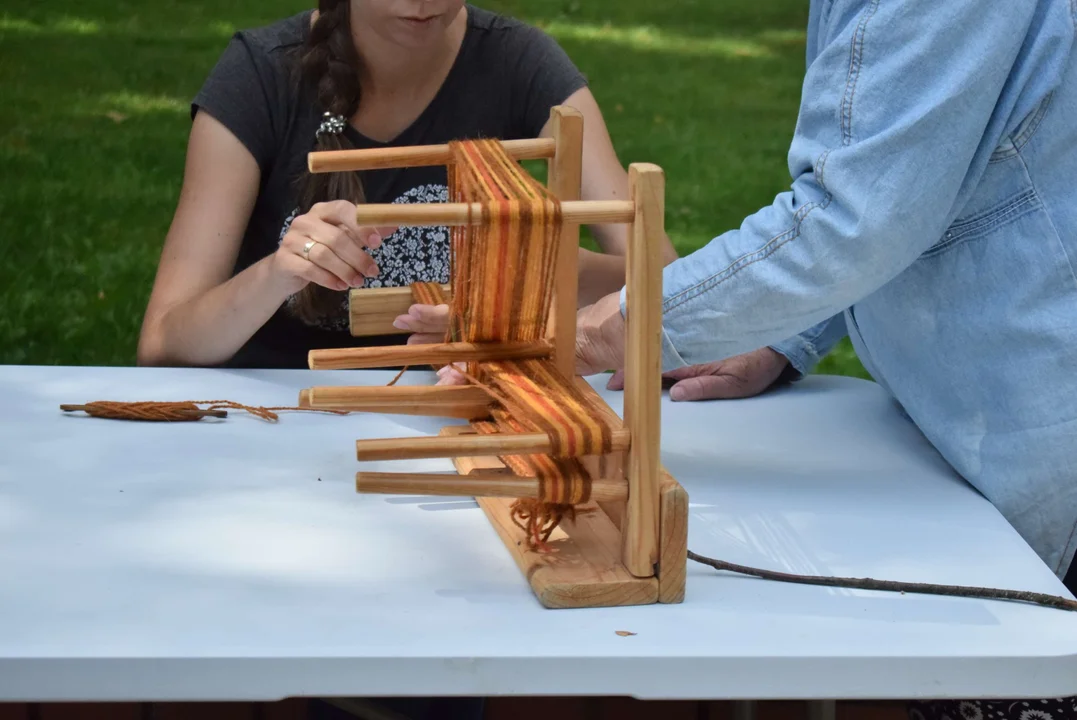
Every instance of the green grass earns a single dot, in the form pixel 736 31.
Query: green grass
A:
pixel 94 124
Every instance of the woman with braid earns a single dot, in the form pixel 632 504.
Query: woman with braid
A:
pixel 257 263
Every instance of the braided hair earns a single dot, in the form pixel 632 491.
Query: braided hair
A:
pixel 329 63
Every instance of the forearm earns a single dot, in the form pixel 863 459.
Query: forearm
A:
pixel 889 146
pixel 208 329
pixel 599 275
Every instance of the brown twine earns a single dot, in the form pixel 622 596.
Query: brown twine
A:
pixel 1036 598
pixel 179 411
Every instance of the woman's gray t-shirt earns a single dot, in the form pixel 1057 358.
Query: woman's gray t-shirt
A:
pixel 503 83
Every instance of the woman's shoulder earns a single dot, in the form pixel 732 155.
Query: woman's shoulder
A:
pixel 279 34
pixel 515 45
pixel 253 87
pixel 522 62
pixel 276 42
pixel 490 25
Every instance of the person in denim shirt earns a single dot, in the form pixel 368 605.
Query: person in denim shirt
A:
pixel 932 218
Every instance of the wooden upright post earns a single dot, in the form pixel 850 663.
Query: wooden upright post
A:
pixel 643 369
pixel 563 180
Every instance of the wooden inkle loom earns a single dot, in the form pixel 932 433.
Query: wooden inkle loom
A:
pixel 577 495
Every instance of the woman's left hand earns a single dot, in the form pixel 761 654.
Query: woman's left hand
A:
pixel 427 323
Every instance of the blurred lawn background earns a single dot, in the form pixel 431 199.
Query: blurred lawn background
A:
pixel 94 122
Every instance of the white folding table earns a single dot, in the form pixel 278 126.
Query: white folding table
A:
pixel 233 560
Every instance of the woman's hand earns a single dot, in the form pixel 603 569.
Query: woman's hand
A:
pixel 600 336
pixel 326 246
pixel 600 346
pixel 427 323
pixel 741 376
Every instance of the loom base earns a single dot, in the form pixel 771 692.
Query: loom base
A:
pixel 583 567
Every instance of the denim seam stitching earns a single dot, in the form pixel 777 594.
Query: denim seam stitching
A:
pixel 1034 124
pixel 995 217
pixel 1025 135
pixel 775 243
pixel 856 55
pixel 768 249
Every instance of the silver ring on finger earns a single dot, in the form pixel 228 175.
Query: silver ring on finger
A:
pixel 306 248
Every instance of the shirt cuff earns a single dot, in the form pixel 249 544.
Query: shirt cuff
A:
pixel 800 353
pixel 671 359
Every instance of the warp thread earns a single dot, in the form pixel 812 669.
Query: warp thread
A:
pixel 179 410
pixel 501 275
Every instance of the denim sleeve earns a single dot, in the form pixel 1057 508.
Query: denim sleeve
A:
pixel 804 351
pixel 895 109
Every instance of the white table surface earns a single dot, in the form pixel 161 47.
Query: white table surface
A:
pixel 233 559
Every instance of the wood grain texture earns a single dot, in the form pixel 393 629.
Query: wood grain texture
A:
pixel 612 464
pixel 462 444
pixel 583 570
pixel 643 367
pixel 468 402
pixel 415 156
pixel 672 540
pixel 436 354
pixel 371 311
pixel 579 212
pixel 563 179
pixel 502 484
pixel 468 464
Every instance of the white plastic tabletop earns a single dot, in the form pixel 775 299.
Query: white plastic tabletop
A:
pixel 233 559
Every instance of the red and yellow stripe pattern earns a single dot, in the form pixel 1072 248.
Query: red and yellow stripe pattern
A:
pixel 502 272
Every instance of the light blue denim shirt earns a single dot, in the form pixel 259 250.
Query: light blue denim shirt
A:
pixel 932 217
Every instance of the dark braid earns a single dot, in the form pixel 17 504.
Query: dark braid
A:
pixel 329 64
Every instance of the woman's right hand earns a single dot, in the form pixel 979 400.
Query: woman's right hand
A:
pixel 326 246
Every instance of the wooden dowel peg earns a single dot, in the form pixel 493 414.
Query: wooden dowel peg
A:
pixel 454 446
pixel 577 212
pixel 416 156
pixel 434 354
pixel 478 485
pixel 456 401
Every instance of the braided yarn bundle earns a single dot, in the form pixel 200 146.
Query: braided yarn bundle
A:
pixel 177 411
